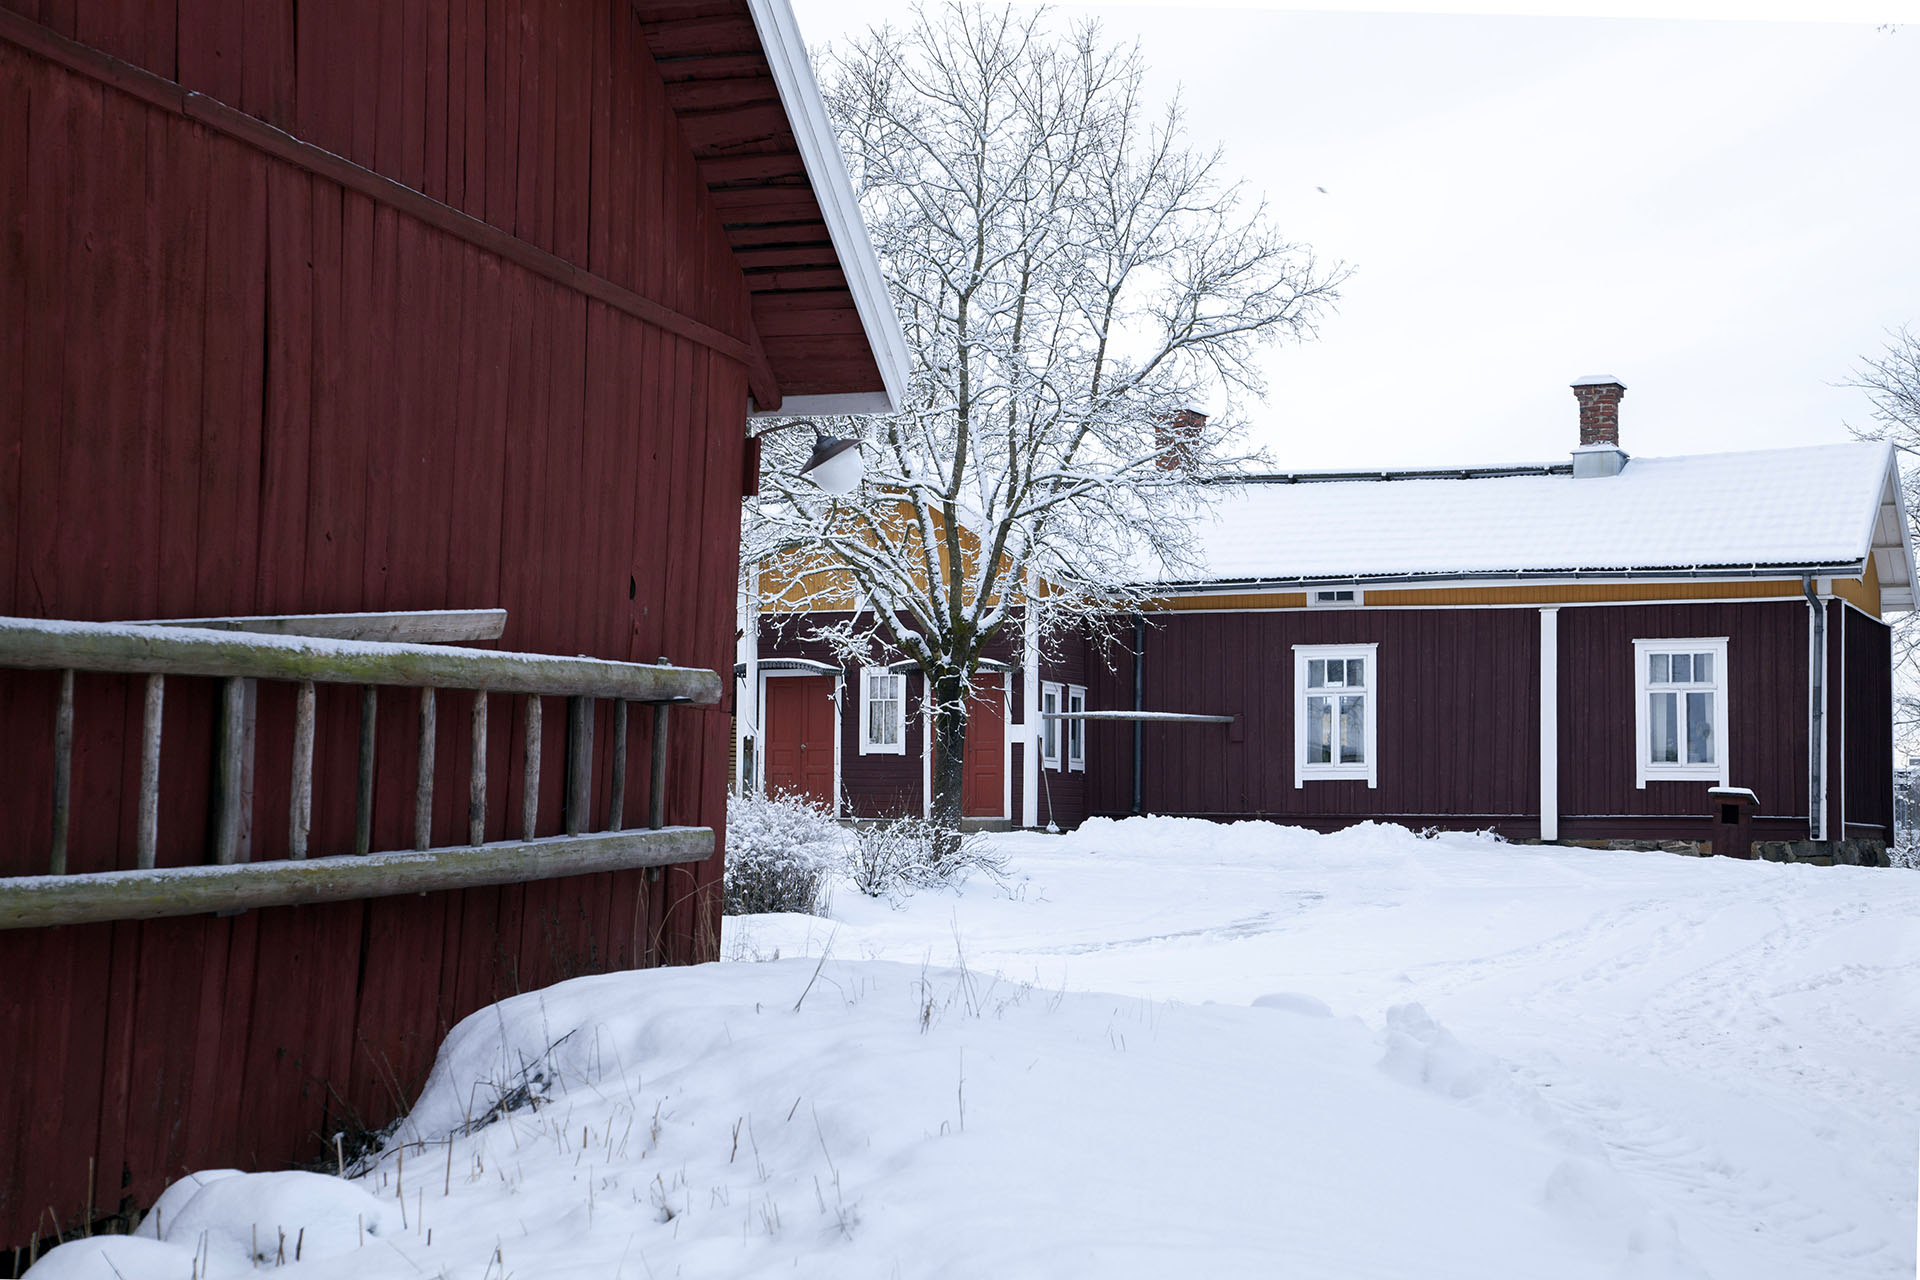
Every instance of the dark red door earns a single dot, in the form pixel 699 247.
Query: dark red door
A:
pixel 799 737
pixel 983 779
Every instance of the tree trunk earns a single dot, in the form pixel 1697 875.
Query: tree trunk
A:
pixel 949 758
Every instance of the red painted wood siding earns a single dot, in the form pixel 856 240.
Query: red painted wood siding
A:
pixel 545 118
pixel 1458 733
pixel 1458 719
pixel 1766 718
pixel 230 386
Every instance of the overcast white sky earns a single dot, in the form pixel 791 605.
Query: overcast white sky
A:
pixel 1724 214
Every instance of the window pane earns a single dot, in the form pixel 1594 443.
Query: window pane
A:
pixel 1319 730
pixel 1657 668
pixel 1663 735
pixel 1682 668
pixel 1316 673
pixel 1700 728
pixel 1353 730
pixel 1703 668
pixel 1356 673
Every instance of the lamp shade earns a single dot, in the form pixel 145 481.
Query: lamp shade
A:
pixel 836 465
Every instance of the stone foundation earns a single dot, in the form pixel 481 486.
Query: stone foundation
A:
pixel 1824 853
pixel 1819 853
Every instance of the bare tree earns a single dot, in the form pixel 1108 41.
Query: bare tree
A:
pixel 1070 275
pixel 1892 383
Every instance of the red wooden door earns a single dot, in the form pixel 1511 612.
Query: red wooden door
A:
pixel 799 737
pixel 983 776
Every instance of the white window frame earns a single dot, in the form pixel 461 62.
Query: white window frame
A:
pixel 868 747
pixel 1645 769
pixel 1050 730
pixel 1369 768
pixel 1076 729
pixel 1359 598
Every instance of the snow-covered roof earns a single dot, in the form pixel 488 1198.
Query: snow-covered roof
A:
pixel 1823 508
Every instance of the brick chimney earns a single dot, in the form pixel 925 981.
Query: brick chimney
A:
pixel 1599 453
pixel 1176 436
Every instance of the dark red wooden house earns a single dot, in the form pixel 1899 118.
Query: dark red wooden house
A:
pixel 328 324
pixel 1608 649
pixel 1683 651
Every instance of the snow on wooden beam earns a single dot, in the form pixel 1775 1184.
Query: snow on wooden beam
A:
pixel 131 649
pixel 419 626
pixel 28 902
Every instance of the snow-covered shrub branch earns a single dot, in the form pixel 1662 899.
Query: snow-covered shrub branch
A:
pixel 781 851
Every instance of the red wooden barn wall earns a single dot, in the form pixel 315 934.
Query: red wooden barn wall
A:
pixel 228 385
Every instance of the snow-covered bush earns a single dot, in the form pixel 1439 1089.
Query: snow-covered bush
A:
pixel 897 857
pixel 780 852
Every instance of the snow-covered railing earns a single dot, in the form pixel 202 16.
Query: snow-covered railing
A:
pixel 236 657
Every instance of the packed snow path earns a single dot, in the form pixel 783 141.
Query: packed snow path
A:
pixel 1167 1047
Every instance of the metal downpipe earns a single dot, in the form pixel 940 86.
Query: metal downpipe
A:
pixel 1818 708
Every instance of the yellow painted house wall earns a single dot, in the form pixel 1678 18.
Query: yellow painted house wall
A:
pixel 829 587
pixel 1863 593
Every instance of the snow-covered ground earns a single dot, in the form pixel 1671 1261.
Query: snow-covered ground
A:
pixel 1164 1047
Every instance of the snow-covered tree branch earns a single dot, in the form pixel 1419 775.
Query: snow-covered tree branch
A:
pixel 1071 276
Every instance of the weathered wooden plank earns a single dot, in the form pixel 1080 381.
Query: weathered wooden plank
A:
pixel 657 784
pixel 477 773
pixel 617 797
pixel 42 901
pixel 229 759
pixel 62 775
pixel 421 626
pixel 423 774
pixel 147 841
pixel 579 763
pixel 530 773
pixel 363 788
pixel 300 821
pixel 37 644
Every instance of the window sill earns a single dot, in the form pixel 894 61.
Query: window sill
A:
pixel 1312 774
pixel 1683 773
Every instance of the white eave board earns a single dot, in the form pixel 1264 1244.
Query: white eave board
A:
pixel 827 173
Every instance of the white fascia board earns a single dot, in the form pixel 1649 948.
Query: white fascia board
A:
pixel 854 402
pixel 799 93
pixel 1893 486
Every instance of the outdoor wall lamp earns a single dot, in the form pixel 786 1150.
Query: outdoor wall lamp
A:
pixel 835 465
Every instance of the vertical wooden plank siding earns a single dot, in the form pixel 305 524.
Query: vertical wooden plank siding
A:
pixel 349 409
pixel 1458 718
pixel 1868 781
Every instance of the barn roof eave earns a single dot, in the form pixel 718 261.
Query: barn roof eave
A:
pixel 827 173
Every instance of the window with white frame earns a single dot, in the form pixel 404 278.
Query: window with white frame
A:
pixel 1049 724
pixel 883 707
pixel 1076 729
pixel 1680 709
pixel 1335 712
pixel 1335 598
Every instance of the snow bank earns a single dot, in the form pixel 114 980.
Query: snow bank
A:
pixel 222 1222
pixel 1168 1046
